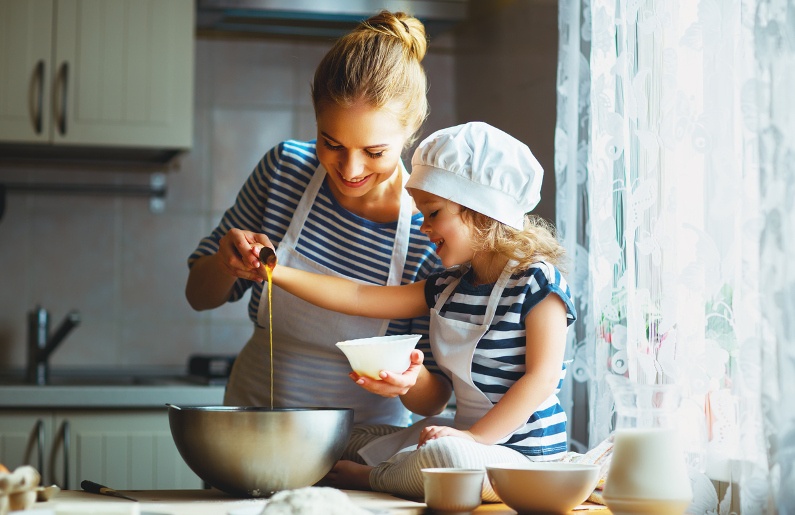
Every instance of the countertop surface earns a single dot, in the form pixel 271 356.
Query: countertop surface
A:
pixel 114 396
pixel 214 502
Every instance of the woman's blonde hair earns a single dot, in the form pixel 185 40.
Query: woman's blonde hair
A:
pixel 378 62
pixel 535 242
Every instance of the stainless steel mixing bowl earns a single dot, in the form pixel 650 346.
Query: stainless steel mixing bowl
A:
pixel 253 451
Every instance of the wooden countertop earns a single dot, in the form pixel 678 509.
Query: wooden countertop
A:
pixel 214 502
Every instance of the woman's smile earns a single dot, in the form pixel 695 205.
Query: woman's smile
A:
pixel 356 182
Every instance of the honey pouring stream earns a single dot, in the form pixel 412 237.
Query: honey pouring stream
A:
pixel 268 258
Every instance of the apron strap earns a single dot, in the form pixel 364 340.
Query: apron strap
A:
pixel 494 298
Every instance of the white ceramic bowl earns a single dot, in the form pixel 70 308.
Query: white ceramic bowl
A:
pixel 455 490
pixel 551 487
pixel 369 356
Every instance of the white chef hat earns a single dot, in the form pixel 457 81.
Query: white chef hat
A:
pixel 479 167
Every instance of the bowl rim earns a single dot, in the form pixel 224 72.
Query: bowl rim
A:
pixel 251 409
pixel 452 470
pixel 544 466
pixel 380 340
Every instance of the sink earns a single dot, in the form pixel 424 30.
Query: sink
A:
pixel 105 378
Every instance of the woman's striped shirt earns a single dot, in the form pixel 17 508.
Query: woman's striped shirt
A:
pixel 332 236
pixel 499 359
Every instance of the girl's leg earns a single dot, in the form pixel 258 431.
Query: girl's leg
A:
pixel 401 475
pixel 361 436
pixel 351 472
pixel 348 475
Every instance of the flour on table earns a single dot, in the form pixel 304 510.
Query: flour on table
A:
pixel 312 500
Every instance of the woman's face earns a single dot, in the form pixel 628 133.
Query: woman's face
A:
pixel 445 228
pixel 359 146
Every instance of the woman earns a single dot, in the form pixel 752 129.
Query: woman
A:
pixel 335 206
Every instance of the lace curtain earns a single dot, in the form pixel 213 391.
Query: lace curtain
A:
pixel 675 165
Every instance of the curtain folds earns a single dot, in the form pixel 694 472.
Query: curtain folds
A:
pixel 675 165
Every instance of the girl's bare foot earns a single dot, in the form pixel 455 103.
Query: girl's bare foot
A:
pixel 348 475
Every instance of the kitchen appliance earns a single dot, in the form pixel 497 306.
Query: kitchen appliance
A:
pixel 210 368
pixel 313 19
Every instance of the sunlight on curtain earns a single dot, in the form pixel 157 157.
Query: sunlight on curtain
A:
pixel 772 376
pixel 571 154
pixel 676 170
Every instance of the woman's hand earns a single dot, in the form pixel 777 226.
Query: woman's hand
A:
pixel 434 432
pixel 238 253
pixel 392 384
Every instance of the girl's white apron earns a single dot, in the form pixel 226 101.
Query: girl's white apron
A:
pixel 309 370
pixel 453 344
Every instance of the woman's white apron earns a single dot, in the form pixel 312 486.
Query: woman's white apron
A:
pixel 453 344
pixel 309 370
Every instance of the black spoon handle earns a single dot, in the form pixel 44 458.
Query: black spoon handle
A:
pixel 96 488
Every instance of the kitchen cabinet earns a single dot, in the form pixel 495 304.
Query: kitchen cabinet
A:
pixel 124 449
pixel 96 73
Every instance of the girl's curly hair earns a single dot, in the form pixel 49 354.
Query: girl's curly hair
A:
pixel 537 241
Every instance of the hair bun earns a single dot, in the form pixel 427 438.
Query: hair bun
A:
pixel 407 28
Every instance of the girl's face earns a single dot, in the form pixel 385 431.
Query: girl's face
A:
pixel 445 228
pixel 359 146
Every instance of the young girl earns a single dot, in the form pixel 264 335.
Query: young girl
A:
pixel 496 332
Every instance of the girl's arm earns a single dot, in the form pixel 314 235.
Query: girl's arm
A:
pixel 352 298
pixel 545 326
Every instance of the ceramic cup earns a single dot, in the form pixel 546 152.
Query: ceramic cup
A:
pixel 452 490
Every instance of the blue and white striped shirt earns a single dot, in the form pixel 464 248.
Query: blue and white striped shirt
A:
pixel 499 359
pixel 332 236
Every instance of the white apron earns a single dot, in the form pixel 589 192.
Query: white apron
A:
pixel 453 344
pixel 309 369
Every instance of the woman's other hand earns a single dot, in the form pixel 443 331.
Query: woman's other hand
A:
pixel 393 384
pixel 434 432
pixel 238 253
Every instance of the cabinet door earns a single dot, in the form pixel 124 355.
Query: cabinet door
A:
pixel 25 439
pixel 25 70
pixel 124 72
pixel 126 450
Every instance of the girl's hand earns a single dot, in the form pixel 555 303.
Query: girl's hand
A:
pixel 238 253
pixel 434 432
pixel 392 384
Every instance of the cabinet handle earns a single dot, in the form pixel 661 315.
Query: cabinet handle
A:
pixel 40 106
pixel 64 83
pixel 65 434
pixel 40 444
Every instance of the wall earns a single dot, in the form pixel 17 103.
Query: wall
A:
pixel 124 267
pixel 506 73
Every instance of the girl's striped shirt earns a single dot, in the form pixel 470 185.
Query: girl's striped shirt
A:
pixel 499 359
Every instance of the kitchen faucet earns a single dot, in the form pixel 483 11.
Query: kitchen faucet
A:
pixel 41 343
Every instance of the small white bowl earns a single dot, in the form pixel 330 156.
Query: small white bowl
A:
pixel 452 490
pixel 369 356
pixel 550 487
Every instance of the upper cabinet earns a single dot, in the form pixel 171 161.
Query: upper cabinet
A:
pixel 96 73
